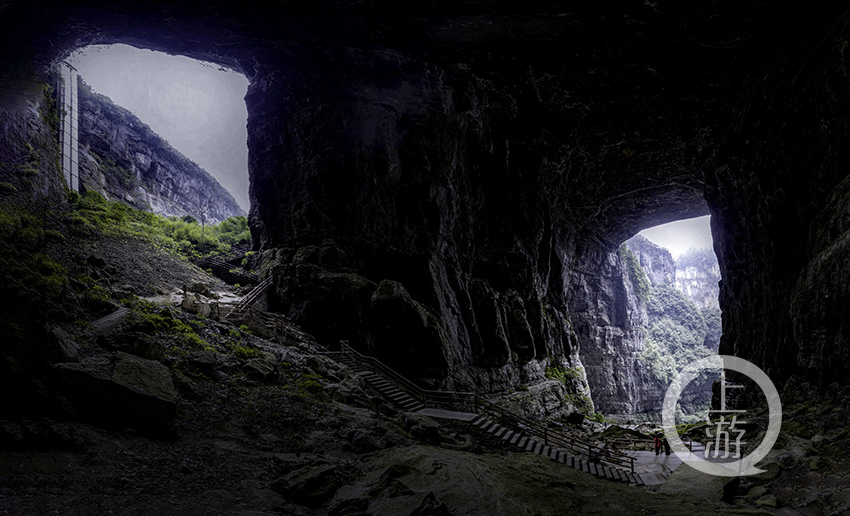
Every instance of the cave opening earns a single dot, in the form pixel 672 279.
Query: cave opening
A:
pixel 674 275
pixel 196 107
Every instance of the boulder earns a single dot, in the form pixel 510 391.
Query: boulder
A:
pixel 430 506
pixel 313 485
pixel 199 288
pixel 120 390
pixel 129 332
pixel 136 343
pixel 195 304
pixel 121 321
pixel 263 368
pixel 60 347
pixel 204 361
pixel 422 427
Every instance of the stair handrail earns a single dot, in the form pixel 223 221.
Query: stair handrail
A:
pixel 560 439
pixel 212 260
pixel 470 399
pixel 254 294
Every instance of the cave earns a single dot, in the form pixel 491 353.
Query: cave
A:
pixel 441 185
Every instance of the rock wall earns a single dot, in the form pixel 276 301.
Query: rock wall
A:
pixel 610 322
pixel 656 261
pixel 633 339
pixel 698 277
pixel 400 241
pixel 123 159
pixel 778 190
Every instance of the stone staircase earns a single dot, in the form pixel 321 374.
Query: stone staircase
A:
pixel 388 390
pixel 523 440
pixel 534 445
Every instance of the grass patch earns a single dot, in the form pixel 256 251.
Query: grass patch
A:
pixel 93 214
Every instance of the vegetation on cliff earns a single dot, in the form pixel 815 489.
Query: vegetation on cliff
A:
pixel 91 212
pixel 676 334
pixel 47 275
pixel 636 273
pixel 681 326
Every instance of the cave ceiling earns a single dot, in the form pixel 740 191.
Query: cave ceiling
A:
pixel 631 97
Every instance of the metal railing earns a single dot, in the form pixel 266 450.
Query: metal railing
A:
pixel 240 309
pixel 254 294
pixel 470 400
pixel 212 262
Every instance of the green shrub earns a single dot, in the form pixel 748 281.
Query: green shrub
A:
pixel 308 383
pixel 92 213
pixel 49 107
pixel 563 374
pixel 242 351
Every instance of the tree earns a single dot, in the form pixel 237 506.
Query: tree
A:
pixel 202 209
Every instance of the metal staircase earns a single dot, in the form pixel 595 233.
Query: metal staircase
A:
pixel 528 435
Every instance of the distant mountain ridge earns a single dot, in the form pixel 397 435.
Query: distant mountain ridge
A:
pixel 124 159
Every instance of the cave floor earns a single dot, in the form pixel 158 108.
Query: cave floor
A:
pixel 305 442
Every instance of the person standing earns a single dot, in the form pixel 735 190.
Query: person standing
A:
pixel 666 446
pixel 657 444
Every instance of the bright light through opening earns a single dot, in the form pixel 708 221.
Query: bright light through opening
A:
pixel 680 236
pixel 199 108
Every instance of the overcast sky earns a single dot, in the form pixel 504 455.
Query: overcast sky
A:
pixel 199 108
pixel 681 235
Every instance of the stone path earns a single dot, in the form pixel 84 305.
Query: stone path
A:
pixel 671 461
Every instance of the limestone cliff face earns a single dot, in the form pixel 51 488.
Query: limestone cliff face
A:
pixel 656 261
pixel 123 159
pixel 610 320
pixel 698 277
pixel 636 330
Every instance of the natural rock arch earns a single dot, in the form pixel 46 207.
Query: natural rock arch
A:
pixel 453 168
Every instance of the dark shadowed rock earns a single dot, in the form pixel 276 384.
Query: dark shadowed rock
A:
pixel 204 361
pixel 313 485
pixel 129 332
pixel 60 347
pixel 430 506
pixel 263 368
pixel 120 390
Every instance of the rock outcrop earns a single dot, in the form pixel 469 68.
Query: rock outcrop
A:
pixel 121 390
pixel 657 262
pixel 123 159
pixel 698 277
